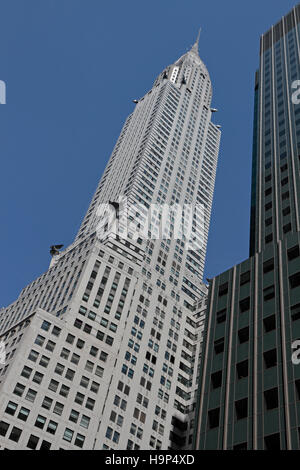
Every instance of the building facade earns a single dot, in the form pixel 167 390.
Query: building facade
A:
pixel 250 384
pixel 102 350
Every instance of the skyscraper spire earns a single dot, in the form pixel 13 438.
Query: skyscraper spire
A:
pixel 195 47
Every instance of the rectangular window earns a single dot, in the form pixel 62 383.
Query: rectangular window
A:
pixel 242 369
pixel 293 253
pixel 268 266
pixel 216 379
pixel 244 278
pixel 31 394
pixel 269 293
pixel 245 305
pixel 15 434
pixel 223 289
pixel 219 346
pixel 221 316
pixel 214 418
pixel 271 399
pixel 32 442
pixel 294 280
pixel 295 312
pixel 269 323
pixel 243 335
pixel 270 358
pixel 241 408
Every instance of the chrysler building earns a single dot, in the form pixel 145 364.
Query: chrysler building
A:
pixel 102 350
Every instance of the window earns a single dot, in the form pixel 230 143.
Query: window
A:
pixel 216 379
pixel 95 387
pixel 269 293
pixel 103 356
pixel 109 433
pixel 52 426
pixel 15 434
pixel 58 408
pixel 45 325
pixel 84 381
pixel 270 358
pixel 293 253
pixel 295 312
pixel 272 442
pixel 11 408
pixel 242 446
pixel 56 331
pixel 23 414
pixel 40 422
pixel 269 238
pixel 85 421
pixel 70 374
pixel 39 340
pixel 214 418
pixel 79 440
pixel 70 339
pixel 64 391
pixel 244 278
pixel 31 394
pixel 219 346
pixel 223 289
pixel 285 195
pixel 271 399
pixel 78 323
pixel 244 305
pixel 94 351
pixel 90 404
pixel 87 328
pixel 99 371
pixel 44 361
pixel 37 378
pixel 33 355
pixel 3 428
pixel 74 415
pixel 45 445
pixel 268 221
pixel 297 385
pixel 268 191
pixel 286 211
pixel 47 403
pixel 65 353
pixel 268 266
pixel 26 372
pixel 100 335
pixel 221 316
pixel 53 385
pixel 243 335
pixel 68 435
pixel 75 358
pixel 294 280
pixel 50 346
pixel 270 323
pixel 268 206
pixel 242 369
pixel 79 398
pixel 241 408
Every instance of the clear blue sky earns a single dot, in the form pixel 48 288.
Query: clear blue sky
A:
pixel 72 68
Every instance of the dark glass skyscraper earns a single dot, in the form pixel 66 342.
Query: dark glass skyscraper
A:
pixel 249 388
